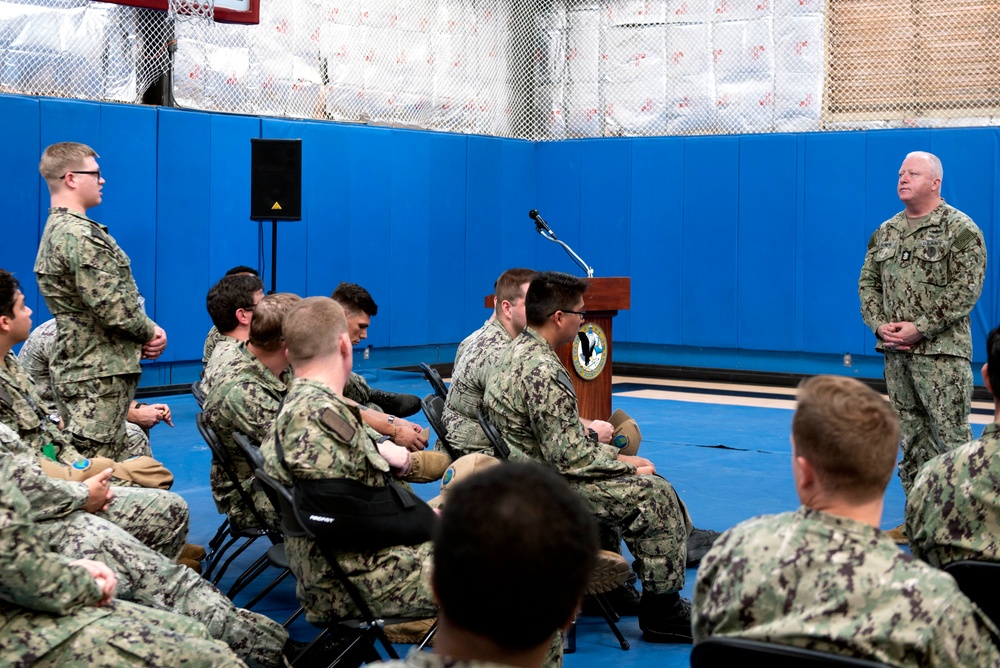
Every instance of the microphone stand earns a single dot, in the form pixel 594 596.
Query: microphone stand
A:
pixel 547 233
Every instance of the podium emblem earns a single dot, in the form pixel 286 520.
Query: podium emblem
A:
pixel 590 351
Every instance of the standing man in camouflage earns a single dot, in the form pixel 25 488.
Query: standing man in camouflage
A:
pixel 248 386
pixel 319 436
pixel 88 286
pixel 824 577
pixel 954 511
pixel 531 400
pixel 484 348
pixel 922 275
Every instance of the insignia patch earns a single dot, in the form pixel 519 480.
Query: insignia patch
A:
pixel 81 464
pixel 338 424
pixel 620 441
pixel 448 475
pixel 564 379
pixel 906 255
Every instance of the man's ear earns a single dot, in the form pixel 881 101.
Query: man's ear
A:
pixel 985 371
pixel 5 325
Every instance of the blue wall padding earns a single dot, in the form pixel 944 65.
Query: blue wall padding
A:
pixel 655 207
pixel 709 257
pixel 733 243
pixel 22 219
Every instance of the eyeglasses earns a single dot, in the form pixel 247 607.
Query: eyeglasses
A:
pixel 95 172
pixel 582 314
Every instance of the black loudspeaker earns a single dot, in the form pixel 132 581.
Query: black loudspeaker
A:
pixel 275 179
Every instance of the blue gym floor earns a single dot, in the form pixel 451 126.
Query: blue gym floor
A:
pixel 728 463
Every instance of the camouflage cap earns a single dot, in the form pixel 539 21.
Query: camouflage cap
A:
pixel 626 436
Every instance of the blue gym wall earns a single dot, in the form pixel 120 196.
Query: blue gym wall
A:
pixel 744 251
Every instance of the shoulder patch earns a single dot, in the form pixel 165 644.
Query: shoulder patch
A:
pixel 964 238
pixel 563 377
pixel 338 424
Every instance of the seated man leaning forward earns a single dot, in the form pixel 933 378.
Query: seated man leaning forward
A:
pixel 319 436
pixel 953 509
pixel 538 540
pixel 531 400
pixel 824 577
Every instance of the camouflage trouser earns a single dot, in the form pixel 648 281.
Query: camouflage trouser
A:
pixel 136 438
pixel 229 502
pixel 134 635
pixel 932 395
pixel 394 581
pixel 153 580
pixel 94 413
pixel 649 515
pixel 158 519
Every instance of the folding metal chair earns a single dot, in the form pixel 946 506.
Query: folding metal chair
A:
pixel 727 651
pixel 980 581
pixel 434 378
pixel 433 407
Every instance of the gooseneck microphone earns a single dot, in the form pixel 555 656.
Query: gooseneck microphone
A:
pixel 543 228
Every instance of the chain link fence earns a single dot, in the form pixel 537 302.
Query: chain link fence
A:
pixel 534 69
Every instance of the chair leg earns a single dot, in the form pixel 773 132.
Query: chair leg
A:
pixel 267 590
pixel 248 576
pixel 427 638
pixel 295 615
pixel 213 559
pixel 225 566
pixel 607 612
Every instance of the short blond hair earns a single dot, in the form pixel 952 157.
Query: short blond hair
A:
pixel 268 318
pixel 63 157
pixel 849 433
pixel 312 328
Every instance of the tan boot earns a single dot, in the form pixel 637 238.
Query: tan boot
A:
pixel 409 633
pixel 193 564
pixel 610 571
pixel 427 466
pixel 195 552
pixel 898 535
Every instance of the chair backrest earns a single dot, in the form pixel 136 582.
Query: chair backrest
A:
pixel 433 407
pixel 724 651
pixel 198 393
pixel 500 448
pixel 221 457
pixel 284 500
pixel 250 450
pixel 434 378
pixel 980 581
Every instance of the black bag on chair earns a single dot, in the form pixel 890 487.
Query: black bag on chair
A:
pixel 349 515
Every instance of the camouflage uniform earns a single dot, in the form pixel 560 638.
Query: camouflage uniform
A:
pixel 87 283
pixel 156 518
pixel 480 354
pixel 211 340
pixel 417 659
pixel 531 400
pixel 954 513
pixel 818 581
pixel 34 358
pixel 245 397
pixel 224 353
pixel 357 390
pixel 48 614
pixel 932 277
pixel 322 438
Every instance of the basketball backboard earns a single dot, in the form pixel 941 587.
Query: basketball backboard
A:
pixel 226 11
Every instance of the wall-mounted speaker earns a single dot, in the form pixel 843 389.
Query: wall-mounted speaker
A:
pixel 275 179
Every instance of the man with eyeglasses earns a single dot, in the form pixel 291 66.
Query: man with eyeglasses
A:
pixel 531 400
pixel 88 286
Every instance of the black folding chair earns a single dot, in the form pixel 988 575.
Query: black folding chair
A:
pixel 198 393
pixel 500 449
pixel 502 452
pixel 364 631
pixel 717 651
pixel 433 407
pixel 248 535
pixel 434 378
pixel 980 581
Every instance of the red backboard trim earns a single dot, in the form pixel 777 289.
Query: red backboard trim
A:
pixel 221 14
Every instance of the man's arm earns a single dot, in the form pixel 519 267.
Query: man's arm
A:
pixel 870 288
pixel 109 291
pixel 966 271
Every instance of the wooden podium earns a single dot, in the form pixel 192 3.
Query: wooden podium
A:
pixel 602 301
